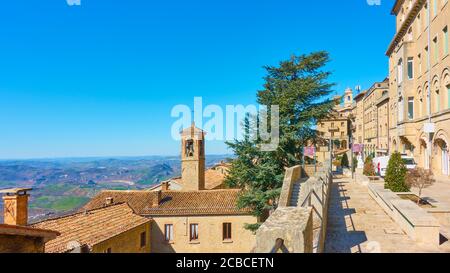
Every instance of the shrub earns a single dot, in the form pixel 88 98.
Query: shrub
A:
pixel 369 169
pixel 395 179
pixel 344 161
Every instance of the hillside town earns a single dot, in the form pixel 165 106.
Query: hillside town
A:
pixel 342 195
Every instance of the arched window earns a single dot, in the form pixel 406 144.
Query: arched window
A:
pixel 400 71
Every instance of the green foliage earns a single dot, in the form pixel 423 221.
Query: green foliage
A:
pixel 296 86
pixel 395 178
pixel 344 161
pixel 369 169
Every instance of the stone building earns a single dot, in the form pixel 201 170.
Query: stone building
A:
pixel 358 118
pixel 382 106
pixel 112 228
pixel 371 120
pixel 189 221
pixel 191 213
pixel 337 126
pixel 194 175
pixel 419 91
pixel 15 235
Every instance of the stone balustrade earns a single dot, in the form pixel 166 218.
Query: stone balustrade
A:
pixel 301 217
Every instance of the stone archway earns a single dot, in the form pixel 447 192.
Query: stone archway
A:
pixel 440 157
pixel 423 153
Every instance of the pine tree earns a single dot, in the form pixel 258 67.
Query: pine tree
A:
pixel 296 86
pixel 395 179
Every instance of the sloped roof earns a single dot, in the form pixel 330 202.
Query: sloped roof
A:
pixel 208 202
pixel 91 227
pixel 175 203
pixel 137 200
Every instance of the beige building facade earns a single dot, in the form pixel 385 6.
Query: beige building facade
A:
pixel 358 118
pixel 371 119
pixel 337 126
pixel 419 72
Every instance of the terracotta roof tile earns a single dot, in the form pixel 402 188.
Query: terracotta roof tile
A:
pixel 91 227
pixel 207 202
pixel 137 200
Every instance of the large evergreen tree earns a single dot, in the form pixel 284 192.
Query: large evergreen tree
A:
pixel 299 87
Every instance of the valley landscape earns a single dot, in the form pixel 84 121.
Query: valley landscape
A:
pixel 61 186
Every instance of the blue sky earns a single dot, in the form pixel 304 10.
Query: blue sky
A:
pixel 101 79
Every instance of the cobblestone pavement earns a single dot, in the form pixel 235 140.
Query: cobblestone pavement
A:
pixel 357 224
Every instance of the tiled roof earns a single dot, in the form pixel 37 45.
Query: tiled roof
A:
pixel 207 202
pixel 91 227
pixel 137 200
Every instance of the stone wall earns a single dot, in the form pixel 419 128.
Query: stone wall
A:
pixel 127 242
pixel 304 224
pixel 210 234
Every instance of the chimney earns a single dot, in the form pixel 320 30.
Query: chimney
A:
pixel 109 201
pixel 15 206
pixel 165 186
pixel 158 199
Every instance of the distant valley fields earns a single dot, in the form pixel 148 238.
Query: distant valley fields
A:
pixel 61 186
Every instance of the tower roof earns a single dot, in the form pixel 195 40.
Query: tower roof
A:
pixel 193 132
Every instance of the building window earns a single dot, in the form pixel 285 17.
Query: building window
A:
pixel 437 100
pixel 342 134
pixel 436 50
pixel 419 57
pixel 435 6
pixel 400 72
pixel 411 108
pixel 419 24
pixel 445 40
pixel 193 232
pixel 448 96
pixel 410 34
pixel 226 231
pixel 168 232
pixel 143 239
pixel 410 68
pixel 400 109
pixel 427 58
pixel 108 250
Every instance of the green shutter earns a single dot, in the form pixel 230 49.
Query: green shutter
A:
pixel 448 96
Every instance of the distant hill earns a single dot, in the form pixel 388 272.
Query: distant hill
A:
pixel 63 185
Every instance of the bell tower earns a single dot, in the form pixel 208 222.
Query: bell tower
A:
pixel 348 97
pixel 193 158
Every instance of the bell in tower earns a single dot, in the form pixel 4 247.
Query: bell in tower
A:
pixel 193 158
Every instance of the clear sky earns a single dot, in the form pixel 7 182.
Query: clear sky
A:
pixel 101 79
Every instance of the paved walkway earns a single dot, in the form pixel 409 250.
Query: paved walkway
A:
pixel 357 224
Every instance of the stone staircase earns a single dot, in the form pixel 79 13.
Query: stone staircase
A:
pixel 295 195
